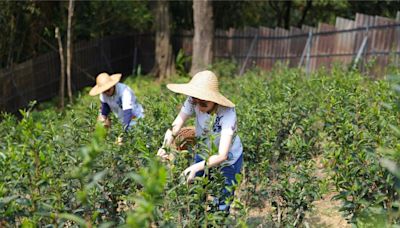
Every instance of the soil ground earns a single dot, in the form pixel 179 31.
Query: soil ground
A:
pixel 325 212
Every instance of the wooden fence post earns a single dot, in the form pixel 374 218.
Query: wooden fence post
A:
pixel 134 61
pixel 398 40
pixel 308 58
pixel 248 54
pixel 361 50
pixel 305 49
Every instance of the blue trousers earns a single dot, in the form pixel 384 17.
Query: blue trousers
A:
pixel 229 173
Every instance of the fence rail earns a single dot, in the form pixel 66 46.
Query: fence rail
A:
pixel 39 78
pixel 367 37
pixel 352 42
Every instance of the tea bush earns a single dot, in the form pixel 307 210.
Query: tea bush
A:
pixel 60 169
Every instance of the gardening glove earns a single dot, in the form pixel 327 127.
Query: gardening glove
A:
pixel 190 174
pixel 168 138
pixel 119 140
pixel 162 153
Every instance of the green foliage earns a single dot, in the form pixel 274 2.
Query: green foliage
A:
pixel 28 27
pixel 224 68
pixel 237 14
pixel 181 63
pixel 101 18
pixel 152 179
pixel 387 214
pixel 60 169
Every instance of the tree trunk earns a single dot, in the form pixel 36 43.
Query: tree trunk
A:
pixel 287 13
pixel 203 35
pixel 62 66
pixel 304 14
pixel 69 53
pixel 165 63
pixel 278 14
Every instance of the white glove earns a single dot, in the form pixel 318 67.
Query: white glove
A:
pixel 190 174
pixel 162 153
pixel 168 138
pixel 120 140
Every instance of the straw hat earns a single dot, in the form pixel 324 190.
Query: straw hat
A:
pixel 204 86
pixel 104 81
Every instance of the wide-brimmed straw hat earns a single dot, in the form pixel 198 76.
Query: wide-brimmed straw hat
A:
pixel 104 81
pixel 203 86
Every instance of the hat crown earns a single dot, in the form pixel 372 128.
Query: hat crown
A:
pixel 102 79
pixel 204 85
pixel 206 80
pixel 104 82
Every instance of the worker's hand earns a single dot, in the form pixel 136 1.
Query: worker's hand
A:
pixel 119 140
pixel 162 153
pixel 190 173
pixel 107 123
pixel 101 118
pixel 105 120
pixel 168 138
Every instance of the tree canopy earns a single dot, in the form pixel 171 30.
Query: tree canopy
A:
pixel 28 27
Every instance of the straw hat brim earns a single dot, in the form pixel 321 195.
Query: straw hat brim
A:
pixel 207 95
pixel 114 79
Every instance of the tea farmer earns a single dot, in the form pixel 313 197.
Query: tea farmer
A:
pixel 118 98
pixel 211 109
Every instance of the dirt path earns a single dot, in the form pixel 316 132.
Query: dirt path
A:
pixel 326 211
pixel 258 217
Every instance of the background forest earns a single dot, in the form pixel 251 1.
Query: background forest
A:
pixel 28 27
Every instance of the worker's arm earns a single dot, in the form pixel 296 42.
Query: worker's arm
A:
pixel 213 160
pixel 170 134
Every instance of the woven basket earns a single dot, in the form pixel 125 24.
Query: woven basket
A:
pixel 185 139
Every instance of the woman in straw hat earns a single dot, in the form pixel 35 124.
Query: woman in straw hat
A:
pixel 118 98
pixel 215 115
